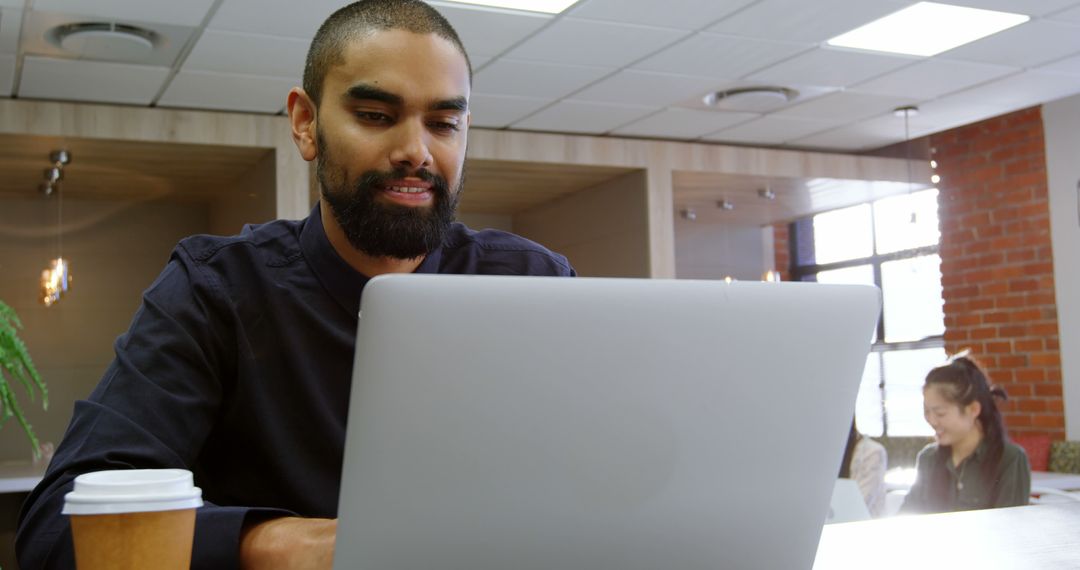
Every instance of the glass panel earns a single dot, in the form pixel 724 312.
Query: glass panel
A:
pixel 868 405
pixel 905 371
pixel 894 226
pixel 858 275
pixel 843 234
pixel 911 289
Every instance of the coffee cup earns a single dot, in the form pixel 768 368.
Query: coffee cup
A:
pixel 133 518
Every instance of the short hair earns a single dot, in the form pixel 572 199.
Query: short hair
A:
pixel 363 17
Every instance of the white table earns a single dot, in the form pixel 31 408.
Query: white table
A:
pixel 20 477
pixel 1018 538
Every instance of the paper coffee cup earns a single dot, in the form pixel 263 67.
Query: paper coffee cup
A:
pixel 133 518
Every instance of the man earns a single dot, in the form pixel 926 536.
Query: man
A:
pixel 237 364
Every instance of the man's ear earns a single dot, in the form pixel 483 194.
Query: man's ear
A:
pixel 302 120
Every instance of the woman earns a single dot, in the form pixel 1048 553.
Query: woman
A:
pixel 865 461
pixel 972 465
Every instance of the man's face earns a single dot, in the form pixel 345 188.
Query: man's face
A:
pixel 391 137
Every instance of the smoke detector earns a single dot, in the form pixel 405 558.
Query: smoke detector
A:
pixel 108 41
pixel 758 98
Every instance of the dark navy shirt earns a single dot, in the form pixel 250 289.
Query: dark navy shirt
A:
pixel 237 366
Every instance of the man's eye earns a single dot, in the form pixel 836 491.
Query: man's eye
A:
pixel 444 126
pixel 373 117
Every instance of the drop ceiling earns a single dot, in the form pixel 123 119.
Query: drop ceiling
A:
pixel 631 68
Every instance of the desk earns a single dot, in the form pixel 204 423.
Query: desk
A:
pixel 1017 538
pixel 20 477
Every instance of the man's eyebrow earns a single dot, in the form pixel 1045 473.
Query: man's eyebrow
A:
pixel 363 91
pixel 452 104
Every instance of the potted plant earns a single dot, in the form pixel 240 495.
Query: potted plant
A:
pixel 16 365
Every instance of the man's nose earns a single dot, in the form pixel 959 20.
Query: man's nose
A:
pixel 410 150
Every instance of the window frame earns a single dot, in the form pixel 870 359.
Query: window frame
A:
pixel 875 260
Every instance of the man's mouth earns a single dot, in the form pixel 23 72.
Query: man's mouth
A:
pixel 408 191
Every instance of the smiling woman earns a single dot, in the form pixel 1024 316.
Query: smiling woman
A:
pixel 972 465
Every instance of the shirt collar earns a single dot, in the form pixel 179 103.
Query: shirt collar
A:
pixel 343 282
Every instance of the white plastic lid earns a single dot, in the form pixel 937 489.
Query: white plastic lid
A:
pixel 132 491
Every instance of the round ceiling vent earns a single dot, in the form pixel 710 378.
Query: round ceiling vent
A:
pixel 751 98
pixel 105 40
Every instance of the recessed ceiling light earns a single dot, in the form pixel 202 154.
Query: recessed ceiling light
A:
pixel 928 28
pixel 545 6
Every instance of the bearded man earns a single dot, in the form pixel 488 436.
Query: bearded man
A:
pixel 237 364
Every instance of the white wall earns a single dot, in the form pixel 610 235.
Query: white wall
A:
pixel 1061 120
pixel 705 250
pixel 603 230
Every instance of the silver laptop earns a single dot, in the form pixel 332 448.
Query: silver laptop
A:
pixel 522 423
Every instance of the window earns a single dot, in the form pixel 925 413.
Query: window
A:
pixel 891 243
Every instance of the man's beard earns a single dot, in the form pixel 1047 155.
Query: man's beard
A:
pixel 381 229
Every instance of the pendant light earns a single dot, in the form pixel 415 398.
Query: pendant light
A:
pixel 56 277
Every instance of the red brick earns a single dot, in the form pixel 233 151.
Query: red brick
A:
pixel 1048 421
pixel 1031 375
pixel 1012 360
pixel 1044 359
pixel 1031 405
pixel 1028 345
pixel 1048 389
pixel 1013 331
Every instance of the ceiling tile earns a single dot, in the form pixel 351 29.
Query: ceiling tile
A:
pixel 769 130
pixel 952 111
pixel 227 91
pixel 534 79
pixel 681 14
pixel 932 78
pixel 248 54
pixel 845 105
pixel 582 117
pixel 682 124
pixel 872 133
pixel 1029 7
pixel 1067 65
pixel 805 21
pixel 274 17
pixel 1024 89
pixel 10 22
pixel 1026 45
pixel 186 13
pixel 720 57
pixel 646 88
pixel 491 32
pixel 1071 15
pixel 830 67
pixel 7 74
pixel 96 81
pixel 608 44
pixel 498 111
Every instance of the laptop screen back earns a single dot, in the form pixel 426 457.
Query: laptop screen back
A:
pixel 540 423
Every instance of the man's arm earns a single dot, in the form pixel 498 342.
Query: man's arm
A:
pixel 288 542
pixel 154 408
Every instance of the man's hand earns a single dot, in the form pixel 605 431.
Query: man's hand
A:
pixel 289 543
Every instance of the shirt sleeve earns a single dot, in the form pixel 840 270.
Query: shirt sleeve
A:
pixel 917 499
pixel 868 471
pixel 1014 488
pixel 153 408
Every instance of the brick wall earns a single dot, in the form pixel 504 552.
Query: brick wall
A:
pixel 782 251
pixel 996 263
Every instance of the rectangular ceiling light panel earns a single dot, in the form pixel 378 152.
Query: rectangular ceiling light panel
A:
pixel 927 29
pixel 545 6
